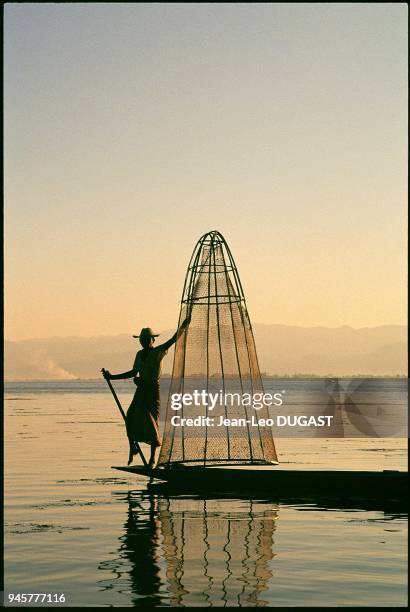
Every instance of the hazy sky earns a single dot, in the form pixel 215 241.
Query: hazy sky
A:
pixel 132 129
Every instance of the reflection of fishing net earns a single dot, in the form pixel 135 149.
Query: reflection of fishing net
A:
pixel 217 553
pixel 216 353
pixel 191 552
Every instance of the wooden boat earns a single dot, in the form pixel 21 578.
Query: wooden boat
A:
pixel 345 484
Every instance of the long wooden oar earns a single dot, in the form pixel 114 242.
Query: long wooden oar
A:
pixel 131 442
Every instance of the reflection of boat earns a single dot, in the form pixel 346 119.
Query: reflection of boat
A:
pixel 193 551
pixel 282 483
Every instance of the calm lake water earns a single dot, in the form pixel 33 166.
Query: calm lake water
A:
pixel 78 528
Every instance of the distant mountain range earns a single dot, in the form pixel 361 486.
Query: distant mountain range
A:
pixel 282 350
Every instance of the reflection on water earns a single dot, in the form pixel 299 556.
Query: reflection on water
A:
pixel 212 552
pixel 138 552
pixel 76 527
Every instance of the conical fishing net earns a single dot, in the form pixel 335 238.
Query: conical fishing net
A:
pixel 215 355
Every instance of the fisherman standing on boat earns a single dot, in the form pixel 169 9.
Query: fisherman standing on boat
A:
pixel 142 419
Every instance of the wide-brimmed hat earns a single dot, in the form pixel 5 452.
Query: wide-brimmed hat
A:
pixel 146 332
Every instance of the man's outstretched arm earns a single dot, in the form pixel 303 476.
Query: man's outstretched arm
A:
pixel 174 338
pixel 108 376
